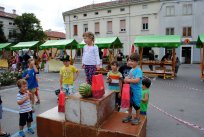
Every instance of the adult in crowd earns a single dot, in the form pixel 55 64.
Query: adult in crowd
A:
pixel 119 57
pixel 151 58
pixel 2 133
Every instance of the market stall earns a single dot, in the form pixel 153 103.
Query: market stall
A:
pixel 26 45
pixel 54 64
pixel 200 44
pixel 163 68
pixel 4 47
pixel 105 43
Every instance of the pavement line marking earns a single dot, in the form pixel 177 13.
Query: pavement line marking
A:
pixel 192 125
pixel 10 110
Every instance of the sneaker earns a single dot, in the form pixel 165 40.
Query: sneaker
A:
pixel 135 121
pixel 21 134
pixel 38 102
pixel 127 119
pixel 30 131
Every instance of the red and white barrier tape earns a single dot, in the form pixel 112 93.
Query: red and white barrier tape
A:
pixel 178 119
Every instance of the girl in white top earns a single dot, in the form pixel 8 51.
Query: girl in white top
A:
pixel 90 59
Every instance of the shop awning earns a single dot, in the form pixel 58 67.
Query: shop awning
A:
pixel 25 45
pixel 167 41
pixel 4 46
pixel 200 41
pixel 109 42
pixel 60 44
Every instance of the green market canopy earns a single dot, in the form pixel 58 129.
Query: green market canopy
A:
pixel 60 44
pixel 25 45
pixel 4 46
pixel 167 41
pixel 109 42
pixel 200 41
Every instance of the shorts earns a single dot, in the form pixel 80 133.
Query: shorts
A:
pixel 33 90
pixel 25 117
pixel 134 106
pixel 68 89
pixel 143 113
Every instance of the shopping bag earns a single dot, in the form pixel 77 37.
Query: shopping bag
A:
pixel 61 102
pixel 125 99
pixel 98 88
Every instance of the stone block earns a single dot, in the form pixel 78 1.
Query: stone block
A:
pixel 72 108
pixel 89 111
pixel 51 123
pixel 77 130
pixel 113 127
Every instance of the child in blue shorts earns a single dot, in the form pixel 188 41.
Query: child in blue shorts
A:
pixel 135 81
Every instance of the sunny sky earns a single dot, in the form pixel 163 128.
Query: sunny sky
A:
pixel 48 12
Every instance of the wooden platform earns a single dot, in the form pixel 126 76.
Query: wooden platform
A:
pixel 51 123
pixel 113 127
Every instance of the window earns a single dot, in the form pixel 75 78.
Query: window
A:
pixel 109 26
pixel 187 9
pixel 97 30
pixel 75 30
pixel 170 10
pixel 109 11
pixel 85 14
pixel 10 33
pixel 14 24
pixel 145 23
pixel 122 25
pixel 75 17
pixel 96 13
pixel 85 27
pixel 169 31
pixel 187 31
pixel 144 6
pixel 122 9
pixel 10 23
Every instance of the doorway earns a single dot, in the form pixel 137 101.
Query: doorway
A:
pixel 186 55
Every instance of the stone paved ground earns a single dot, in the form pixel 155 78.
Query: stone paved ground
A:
pixel 180 98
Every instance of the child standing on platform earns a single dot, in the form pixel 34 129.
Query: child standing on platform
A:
pixel 25 108
pixel 90 59
pixel 114 78
pixel 135 80
pixel 146 82
pixel 68 74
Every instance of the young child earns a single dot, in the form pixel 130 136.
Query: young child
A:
pixel 25 108
pixel 30 76
pixel 135 80
pixel 68 74
pixel 114 78
pixel 146 82
pixel 90 59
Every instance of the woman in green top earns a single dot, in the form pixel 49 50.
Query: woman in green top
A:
pixel 146 82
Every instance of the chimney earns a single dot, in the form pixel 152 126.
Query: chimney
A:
pixel 2 9
pixel 14 11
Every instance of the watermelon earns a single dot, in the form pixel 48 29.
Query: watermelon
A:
pixel 85 90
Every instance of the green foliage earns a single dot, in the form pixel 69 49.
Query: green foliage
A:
pixel 8 77
pixel 2 36
pixel 30 28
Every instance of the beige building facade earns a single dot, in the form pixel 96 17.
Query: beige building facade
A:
pixel 125 18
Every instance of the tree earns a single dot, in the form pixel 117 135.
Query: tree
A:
pixel 30 29
pixel 2 36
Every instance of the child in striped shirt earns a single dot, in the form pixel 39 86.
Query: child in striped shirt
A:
pixel 114 78
pixel 25 108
